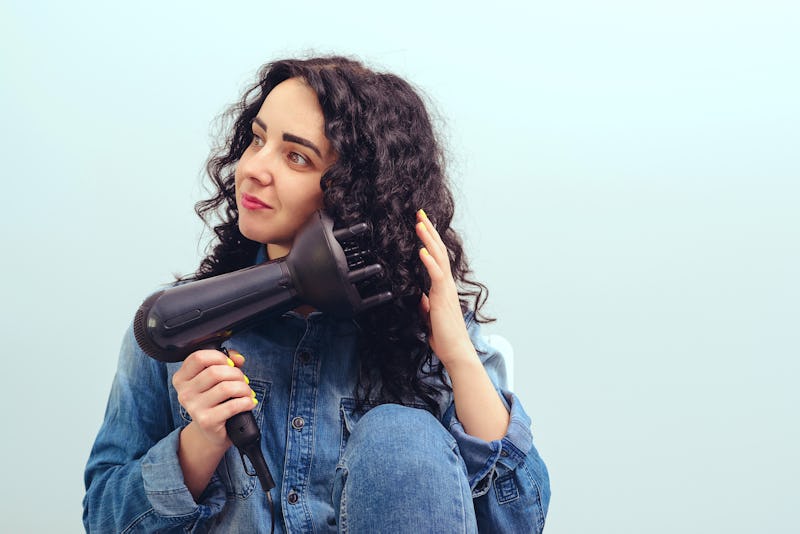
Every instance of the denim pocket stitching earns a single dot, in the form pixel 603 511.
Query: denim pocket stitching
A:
pixel 505 488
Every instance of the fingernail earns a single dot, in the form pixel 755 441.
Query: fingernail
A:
pixel 252 393
pixel 230 362
pixel 255 401
pixel 424 251
pixel 240 355
pixel 246 380
pixel 424 215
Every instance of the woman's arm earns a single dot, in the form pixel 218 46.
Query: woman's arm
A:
pixel 478 405
pixel 134 478
pixel 509 481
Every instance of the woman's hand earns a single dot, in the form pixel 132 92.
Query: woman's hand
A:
pixel 478 406
pixel 212 388
pixel 449 339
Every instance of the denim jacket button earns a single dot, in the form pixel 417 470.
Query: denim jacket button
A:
pixel 304 356
pixel 298 423
pixel 292 497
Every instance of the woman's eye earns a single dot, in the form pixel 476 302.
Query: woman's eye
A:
pixel 297 159
pixel 257 141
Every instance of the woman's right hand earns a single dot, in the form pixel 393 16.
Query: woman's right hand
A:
pixel 212 389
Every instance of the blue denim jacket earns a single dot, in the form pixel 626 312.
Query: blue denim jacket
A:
pixel 299 368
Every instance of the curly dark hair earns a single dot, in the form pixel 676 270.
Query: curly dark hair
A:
pixel 389 165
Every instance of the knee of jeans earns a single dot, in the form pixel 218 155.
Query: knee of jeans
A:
pixel 402 433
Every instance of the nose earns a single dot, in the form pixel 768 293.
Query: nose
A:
pixel 258 165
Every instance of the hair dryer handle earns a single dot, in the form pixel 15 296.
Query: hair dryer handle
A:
pixel 244 433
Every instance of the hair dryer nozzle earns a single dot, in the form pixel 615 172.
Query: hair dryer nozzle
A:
pixel 318 271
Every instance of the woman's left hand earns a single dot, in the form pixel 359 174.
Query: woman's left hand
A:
pixel 449 339
pixel 478 406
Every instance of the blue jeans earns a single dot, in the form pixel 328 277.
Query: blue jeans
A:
pixel 401 471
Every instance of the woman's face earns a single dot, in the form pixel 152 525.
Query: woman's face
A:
pixel 278 176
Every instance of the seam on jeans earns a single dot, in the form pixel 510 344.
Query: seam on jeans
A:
pixel 343 503
pixel 138 520
pixel 540 518
pixel 464 518
pixel 164 492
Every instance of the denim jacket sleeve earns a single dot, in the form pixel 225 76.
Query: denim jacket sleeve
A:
pixel 134 481
pixel 509 481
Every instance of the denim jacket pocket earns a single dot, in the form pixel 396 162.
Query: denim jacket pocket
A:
pixel 233 469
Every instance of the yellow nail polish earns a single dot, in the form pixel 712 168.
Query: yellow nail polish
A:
pixel 230 362
pixel 252 393
pixel 246 380
pixel 255 401
pixel 424 251
pixel 424 215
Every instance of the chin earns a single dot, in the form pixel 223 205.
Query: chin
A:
pixel 253 234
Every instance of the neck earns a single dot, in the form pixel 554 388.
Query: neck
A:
pixel 276 251
pixel 279 251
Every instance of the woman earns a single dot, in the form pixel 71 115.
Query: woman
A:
pixel 391 422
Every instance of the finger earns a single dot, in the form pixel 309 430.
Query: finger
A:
pixel 217 415
pixel 434 245
pixel 237 357
pixel 198 404
pixel 430 263
pixel 425 305
pixel 196 362
pixel 238 360
pixel 217 374
pixel 224 391
pixel 425 310
pixel 438 254
pixel 437 239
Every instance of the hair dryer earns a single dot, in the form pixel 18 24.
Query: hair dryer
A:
pixel 321 270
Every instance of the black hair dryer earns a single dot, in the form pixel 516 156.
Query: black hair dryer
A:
pixel 321 270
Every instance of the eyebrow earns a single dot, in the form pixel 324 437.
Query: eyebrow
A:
pixel 292 138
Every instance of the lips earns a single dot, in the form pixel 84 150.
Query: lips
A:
pixel 252 203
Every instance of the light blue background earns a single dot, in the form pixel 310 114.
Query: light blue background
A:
pixel 627 175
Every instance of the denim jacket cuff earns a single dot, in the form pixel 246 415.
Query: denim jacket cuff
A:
pixel 484 458
pixel 165 487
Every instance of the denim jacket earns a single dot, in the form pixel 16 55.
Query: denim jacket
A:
pixel 303 371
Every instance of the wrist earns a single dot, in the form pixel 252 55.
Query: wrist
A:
pixel 460 359
pixel 192 437
pixel 198 457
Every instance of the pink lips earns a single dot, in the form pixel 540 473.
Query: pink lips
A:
pixel 252 203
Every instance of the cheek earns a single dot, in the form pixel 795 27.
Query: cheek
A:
pixel 309 199
pixel 237 176
pixel 317 200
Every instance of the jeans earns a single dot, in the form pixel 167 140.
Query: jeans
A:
pixel 401 471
